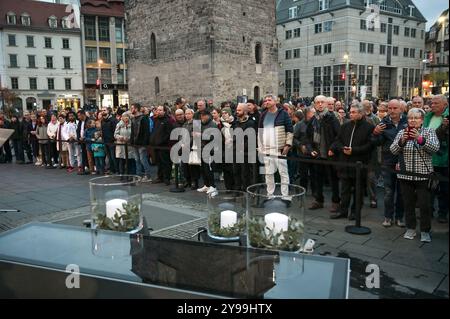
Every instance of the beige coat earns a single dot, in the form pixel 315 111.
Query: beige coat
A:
pixel 122 135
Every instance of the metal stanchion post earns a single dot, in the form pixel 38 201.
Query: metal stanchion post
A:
pixel 358 229
pixel 126 158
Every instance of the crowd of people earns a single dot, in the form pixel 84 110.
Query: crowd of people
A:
pixel 398 142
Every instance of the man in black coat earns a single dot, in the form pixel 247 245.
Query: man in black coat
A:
pixel 109 124
pixel 353 144
pixel 17 138
pixel 140 137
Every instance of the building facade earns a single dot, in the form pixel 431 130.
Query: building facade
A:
pixel 201 49
pixel 40 59
pixel 437 67
pixel 104 47
pixel 375 48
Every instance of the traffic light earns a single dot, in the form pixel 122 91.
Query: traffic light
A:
pixel 343 75
pixel 98 84
pixel 430 56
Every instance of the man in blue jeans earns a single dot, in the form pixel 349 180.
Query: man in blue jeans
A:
pixel 140 139
pixel 383 135
pixel 109 123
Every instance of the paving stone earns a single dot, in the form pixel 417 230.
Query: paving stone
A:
pixel 443 288
pixel 372 252
pixel 444 259
pixel 341 235
pixel 419 259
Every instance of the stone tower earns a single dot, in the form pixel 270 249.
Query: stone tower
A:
pixel 213 49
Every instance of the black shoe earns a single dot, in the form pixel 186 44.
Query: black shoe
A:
pixel 187 185
pixel 351 217
pixel 338 216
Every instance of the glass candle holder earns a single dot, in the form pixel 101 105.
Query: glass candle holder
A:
pixel 276 218
pixel 226 215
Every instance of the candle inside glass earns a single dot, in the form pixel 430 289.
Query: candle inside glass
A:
pixel 277 223
pixel 115 206
pixel 228 218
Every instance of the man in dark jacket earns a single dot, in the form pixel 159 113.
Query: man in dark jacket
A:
pixel 140 136
pixel 109 123
pixel 353 144
pixel 320 134
pixel 6 148
pixel 207 159
pixel 161 138
pixel 26 135
pixel 17 139
pixel 81 127
pixel 244 172
pixel 383 135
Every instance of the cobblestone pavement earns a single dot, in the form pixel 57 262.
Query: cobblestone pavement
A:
pixel 409 269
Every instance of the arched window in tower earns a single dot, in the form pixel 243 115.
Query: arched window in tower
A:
pixel 157 89
pixel 256 94
pixel 258 53
pixel 153 47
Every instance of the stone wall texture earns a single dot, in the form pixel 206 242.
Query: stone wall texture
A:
pixel 204 49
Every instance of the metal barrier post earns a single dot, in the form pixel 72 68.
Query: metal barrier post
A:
pixel 358 229
pixel 126 158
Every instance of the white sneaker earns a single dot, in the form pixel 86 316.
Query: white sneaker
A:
pixel 387 222
pixel 211 190
pixel 425 237
pixel 400 223
pixel 204 189
pixel 410 234
pixel 38 163
pixel 146 179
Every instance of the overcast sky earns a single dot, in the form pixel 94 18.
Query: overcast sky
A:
pixel 431 9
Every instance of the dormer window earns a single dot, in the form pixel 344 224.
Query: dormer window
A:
pixel 324 5
pixel 65 23
pixel 11 18
pixel 53 22
pixel 25 19
pixel 411 11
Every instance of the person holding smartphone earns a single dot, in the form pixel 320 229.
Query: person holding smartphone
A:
pixel 415 147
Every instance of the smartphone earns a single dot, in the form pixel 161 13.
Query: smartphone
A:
pixel 409 130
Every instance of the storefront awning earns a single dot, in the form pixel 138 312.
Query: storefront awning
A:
pixel 46 94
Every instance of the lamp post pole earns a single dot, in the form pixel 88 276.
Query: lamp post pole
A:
pixel 347 71
pixel 100 62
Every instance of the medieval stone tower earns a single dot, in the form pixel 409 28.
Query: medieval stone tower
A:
pixel 213 49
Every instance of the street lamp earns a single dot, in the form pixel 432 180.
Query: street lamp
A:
pixel 346 58
pixel 100 63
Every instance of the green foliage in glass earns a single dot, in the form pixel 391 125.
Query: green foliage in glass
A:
pixel 233 231
pixel 124 220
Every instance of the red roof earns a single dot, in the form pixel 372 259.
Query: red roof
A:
pixel 109 8
pixel 37 10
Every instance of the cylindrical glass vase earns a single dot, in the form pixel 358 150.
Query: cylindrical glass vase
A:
pixel 276 217
pixel 226 215
pixel 116 203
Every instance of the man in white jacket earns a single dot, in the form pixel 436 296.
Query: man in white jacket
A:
pixel 70 135
pixel 51 132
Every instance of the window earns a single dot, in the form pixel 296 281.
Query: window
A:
pixel 405 52
pixel 395 51
pixel 91 75
pixel 288 83
pixel 12 40
pixel 383 27
pixel 48 42
pixel 407 32
pixel 296 53
pixel 66 62
pixel 288 54
pixel 446 45
pixel 31 61
pixel 327 48
pixel 119 55
pixel 383 5
pixel 411 11
pixel 396 29
pixel 363 24
pixel 65 43
pixel 412 53
pixel 13 61
pixel 327 80
pixel 317 81
pixel 297 33
pixel 370 48
pixel 65 23
pixel 413 33
pixel 296 82
pixel 68 84
pixel 421 55
pixel 119 34
pixel 362 47
pixel 89 28
pixel 438 47
pixel 53 22
pixel 317 50
pixel 105 55
pixel 11 18
pixel 324 5
pixel 292 12
pixel 153 47
pixel 422 33
pixel 327 26
pixel 157 89
pixel 318 28
pixel 49 62
pixel 362 75
pixel 258 53
pixel 91 55
pixel 15 83
pixel 382 49
pixel 288 34
pixel 106 76
pixel 51 83
pixel 33 83
pixel 103 29
pixel 30 41
pixel 120 77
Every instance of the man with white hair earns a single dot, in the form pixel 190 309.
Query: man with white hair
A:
pixel 438 119
pixel 320 134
